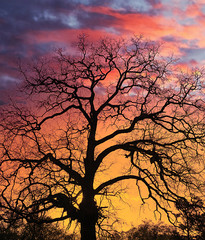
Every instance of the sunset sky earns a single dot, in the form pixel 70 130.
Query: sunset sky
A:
pixel 35 28
pixel 30 29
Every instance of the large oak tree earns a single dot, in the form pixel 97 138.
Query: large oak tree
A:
pixel 113 101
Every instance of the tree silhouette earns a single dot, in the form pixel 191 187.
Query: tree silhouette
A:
pixel 8 233
pixel 150 231
pixel 192 217
pixel 33 231
pixel 113 102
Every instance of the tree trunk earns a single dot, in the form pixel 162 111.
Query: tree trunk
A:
pixel 88 230
pixel 88 218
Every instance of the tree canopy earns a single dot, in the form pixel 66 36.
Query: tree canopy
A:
pixel 111 102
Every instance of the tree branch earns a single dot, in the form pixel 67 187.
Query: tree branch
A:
pixel 114 180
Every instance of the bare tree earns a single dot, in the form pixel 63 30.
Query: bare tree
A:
pixel 111 102
pixel 192 215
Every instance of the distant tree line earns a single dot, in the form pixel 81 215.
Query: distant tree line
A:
pixel 145 231
pixel 158 231
pixel 34 231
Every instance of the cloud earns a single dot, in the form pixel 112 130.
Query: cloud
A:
pixel 7 81
pixel 193 54
pixel 2 102
pixel 33 28
pixel 131 6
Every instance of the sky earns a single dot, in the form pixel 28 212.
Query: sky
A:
pixel 30 29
